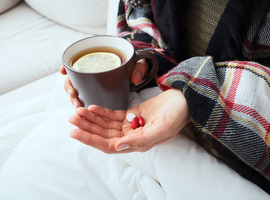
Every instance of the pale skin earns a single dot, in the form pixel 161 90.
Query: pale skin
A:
pixel 165 115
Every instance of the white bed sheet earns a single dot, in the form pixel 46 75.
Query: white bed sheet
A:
pixel 38 160
pixel 31 90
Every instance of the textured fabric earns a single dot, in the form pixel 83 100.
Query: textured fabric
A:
pixel 200 20
pixel 256 43
pixel 135 3
pixel 241 26
pixel 136 26
pixel 229 101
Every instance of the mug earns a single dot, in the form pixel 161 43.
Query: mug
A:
pixel 109 89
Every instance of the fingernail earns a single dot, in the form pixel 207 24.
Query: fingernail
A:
pixel 138 75
pixel 122 147
pixel 69 91
pixel 74 104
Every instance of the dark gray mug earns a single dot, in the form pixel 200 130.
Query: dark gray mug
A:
pixel 109 89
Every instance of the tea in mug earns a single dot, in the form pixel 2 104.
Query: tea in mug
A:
pixel 98 59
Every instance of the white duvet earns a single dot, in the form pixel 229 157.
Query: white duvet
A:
pixel 38 160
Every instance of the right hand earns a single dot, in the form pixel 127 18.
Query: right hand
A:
pixel 165 115
pixel 137 75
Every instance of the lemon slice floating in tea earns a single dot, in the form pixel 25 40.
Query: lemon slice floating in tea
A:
pixel 97 62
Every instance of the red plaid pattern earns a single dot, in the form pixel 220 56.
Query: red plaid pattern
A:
pixel 240 95
pixel 134 21
pixel 229 102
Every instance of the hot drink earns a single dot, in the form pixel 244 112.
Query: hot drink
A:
pixel 97 59
pixel 109 88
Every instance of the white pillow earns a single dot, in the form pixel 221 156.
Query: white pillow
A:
pixel 7 4
pixel 89 16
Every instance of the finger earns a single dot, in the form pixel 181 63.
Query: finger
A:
pixel 62 69
pixel 96 141
pixel 113 115
pixel 100 121
pixel 72 94
pixel 139 71
pixel 92 128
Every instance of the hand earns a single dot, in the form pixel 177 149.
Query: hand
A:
pixel 165 115
pixel 138 73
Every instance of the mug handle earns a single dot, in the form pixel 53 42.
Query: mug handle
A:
pixel 150 75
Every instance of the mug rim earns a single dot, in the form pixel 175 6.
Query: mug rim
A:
pixel 109 36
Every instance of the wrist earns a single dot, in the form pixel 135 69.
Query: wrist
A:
pixel 184 110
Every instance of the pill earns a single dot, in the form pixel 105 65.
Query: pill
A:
pixel 141 121
pixel 135 123
pixel 130 116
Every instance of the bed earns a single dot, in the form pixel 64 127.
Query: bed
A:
pixel 38 159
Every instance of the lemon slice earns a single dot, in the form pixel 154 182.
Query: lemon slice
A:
pixel 97 62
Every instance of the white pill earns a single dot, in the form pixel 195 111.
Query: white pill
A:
pixel 130 116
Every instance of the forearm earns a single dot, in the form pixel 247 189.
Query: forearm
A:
pixel 229 104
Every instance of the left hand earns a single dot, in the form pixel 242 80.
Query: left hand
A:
pixel 165 115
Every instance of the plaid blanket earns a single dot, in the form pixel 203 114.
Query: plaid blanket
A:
pixel 229 101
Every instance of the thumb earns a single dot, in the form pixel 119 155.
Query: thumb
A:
pixel 139 71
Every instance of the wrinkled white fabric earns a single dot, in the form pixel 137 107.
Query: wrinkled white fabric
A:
pixel 31 46
pixel 38 160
